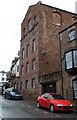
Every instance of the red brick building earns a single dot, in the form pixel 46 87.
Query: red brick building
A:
pixel 68 40
pixel 40 63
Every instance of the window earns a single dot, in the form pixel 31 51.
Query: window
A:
pixel 2 73
pixel 33 83
pixel 18 68
pixel 27 67
pixel 22 70
pixel 46 95
pixel 30 25
pixel 33 64
pixel 3 79
pixel 75 58
pixel 75 88
pixel 22 53
pixel 35 20
pixel 28 50
pixel 57 18
pixel 68 60
pixel 26 84
pixel 33 45
pixel 71 34
pixel 71 59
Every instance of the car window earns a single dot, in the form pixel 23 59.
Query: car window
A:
pixel 7 91
pixel 17 92
pixel 46 96
pixel 57 96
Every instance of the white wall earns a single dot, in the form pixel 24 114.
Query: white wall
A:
pixel 14 69
pixel 2 75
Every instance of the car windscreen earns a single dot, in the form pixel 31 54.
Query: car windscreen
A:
pixel 57 96
pixel 17 92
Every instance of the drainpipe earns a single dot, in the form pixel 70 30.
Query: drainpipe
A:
pixel 61 66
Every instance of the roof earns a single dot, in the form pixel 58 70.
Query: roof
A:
pixel 67 27
pixel 40 3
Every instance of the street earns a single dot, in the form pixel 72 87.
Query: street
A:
pixel 27 109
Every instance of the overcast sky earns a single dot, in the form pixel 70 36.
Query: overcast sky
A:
pixel 12 13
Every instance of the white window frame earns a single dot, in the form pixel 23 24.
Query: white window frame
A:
pixel 33 45
pixel 71 34
pixel 33 64
pixel 75 58
pixel 28 50
pixel 33 83
pixel 69 60
pixel 75 88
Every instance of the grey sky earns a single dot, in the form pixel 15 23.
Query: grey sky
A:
pixel 12 13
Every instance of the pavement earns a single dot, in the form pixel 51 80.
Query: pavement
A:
pixel 75 108
pixel 1 118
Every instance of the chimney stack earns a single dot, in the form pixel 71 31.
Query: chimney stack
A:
pixel 76 7
pixel 39 2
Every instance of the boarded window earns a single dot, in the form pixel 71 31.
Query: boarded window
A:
pixel 56 18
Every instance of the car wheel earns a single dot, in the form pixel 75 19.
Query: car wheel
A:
pixel 52 109
pixel 38 104
pixel 9 97
pixel 5 97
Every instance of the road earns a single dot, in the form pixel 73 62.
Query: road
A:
pixel 27 109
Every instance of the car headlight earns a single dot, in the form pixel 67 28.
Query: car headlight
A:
pixel 71 105
pixel 59 105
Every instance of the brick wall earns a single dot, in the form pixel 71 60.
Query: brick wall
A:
pixel 46 23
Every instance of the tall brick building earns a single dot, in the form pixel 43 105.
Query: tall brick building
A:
pixel 68 40
pixel 40 63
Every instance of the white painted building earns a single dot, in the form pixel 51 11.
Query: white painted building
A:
pixel 15 72
pixel 3 78
pixel 15 67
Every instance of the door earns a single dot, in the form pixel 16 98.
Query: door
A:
pixel 50 87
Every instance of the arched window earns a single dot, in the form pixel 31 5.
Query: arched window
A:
pixel 57 20
pixel 30 25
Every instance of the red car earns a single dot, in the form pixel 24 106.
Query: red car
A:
pixel 54 102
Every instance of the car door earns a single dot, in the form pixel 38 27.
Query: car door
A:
pixel 46 100
pixel 8 93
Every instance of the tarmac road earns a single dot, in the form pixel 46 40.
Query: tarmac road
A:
pixel 27 109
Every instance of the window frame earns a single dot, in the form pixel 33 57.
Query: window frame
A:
pixel 30 25
pixel 23 53
pixel 67 61
pixel 75 58
pixel 22 70
pixel 72 59
pixel 26 84
pixel 33 45
pixel 71 34
pixel 3 79
pixel 28 50
pixel 27 67
pixel 33 83
pixel 33 64
pixel 74 89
